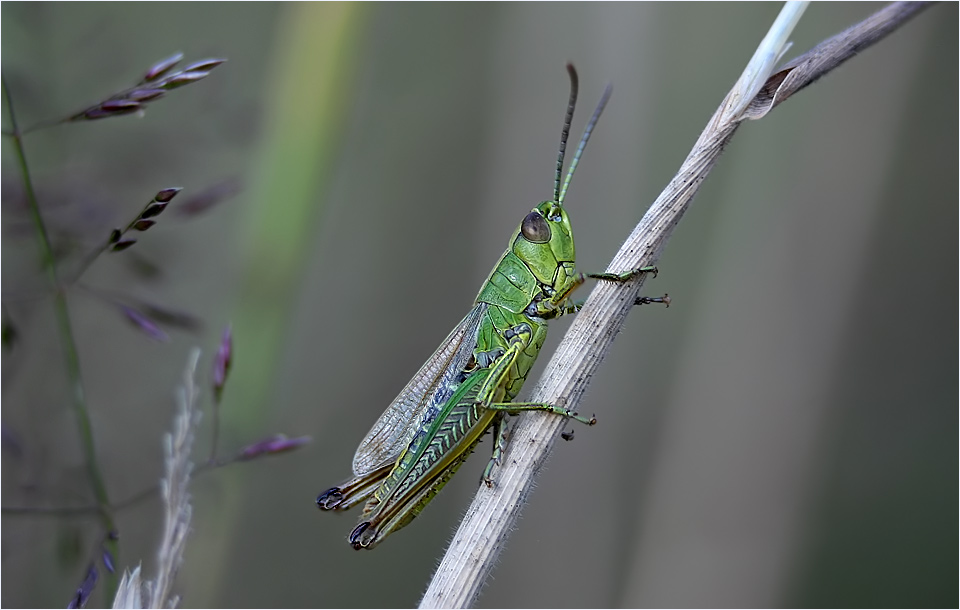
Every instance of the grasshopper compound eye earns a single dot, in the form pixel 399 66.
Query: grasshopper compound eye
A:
pixel 535 229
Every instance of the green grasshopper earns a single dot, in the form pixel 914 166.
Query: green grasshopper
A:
pixel 468 384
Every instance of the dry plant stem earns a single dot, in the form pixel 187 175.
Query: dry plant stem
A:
pixel 71 356
pixel 484 529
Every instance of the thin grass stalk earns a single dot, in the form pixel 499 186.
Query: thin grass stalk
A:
pixel 69 347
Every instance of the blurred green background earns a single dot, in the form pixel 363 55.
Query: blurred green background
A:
pixel 784 435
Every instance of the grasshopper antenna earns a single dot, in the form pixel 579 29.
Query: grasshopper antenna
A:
pixel 583 140
pixel 565 133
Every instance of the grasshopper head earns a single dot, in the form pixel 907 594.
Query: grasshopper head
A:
pixel 544 242
pixel 544 239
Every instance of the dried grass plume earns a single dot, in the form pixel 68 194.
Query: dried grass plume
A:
pixel 133 591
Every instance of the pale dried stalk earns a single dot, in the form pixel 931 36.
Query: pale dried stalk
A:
pixel 492 514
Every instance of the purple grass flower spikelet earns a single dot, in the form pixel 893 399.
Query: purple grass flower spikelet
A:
pixel 114 108
pixel 120 246
pixel 182 78
pixel 107 109
pixel 92 114
pixel 221 363
pixel 107 558
pixel 145 324
pixel 154 209
pixel 209 197
pixel 120 106
pixel 157 81
pixel 159 202
pixel 162 67
pixel 204 65
pixel 278 443
pixel 85 589
pixel 166 195
pixel 145 95
pixel 170 317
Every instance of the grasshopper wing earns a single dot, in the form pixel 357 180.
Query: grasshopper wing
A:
pixel 429 389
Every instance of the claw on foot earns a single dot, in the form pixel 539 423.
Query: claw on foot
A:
pixel 330 499
pixel 356 534
pixel 665 299
pixel 584 420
